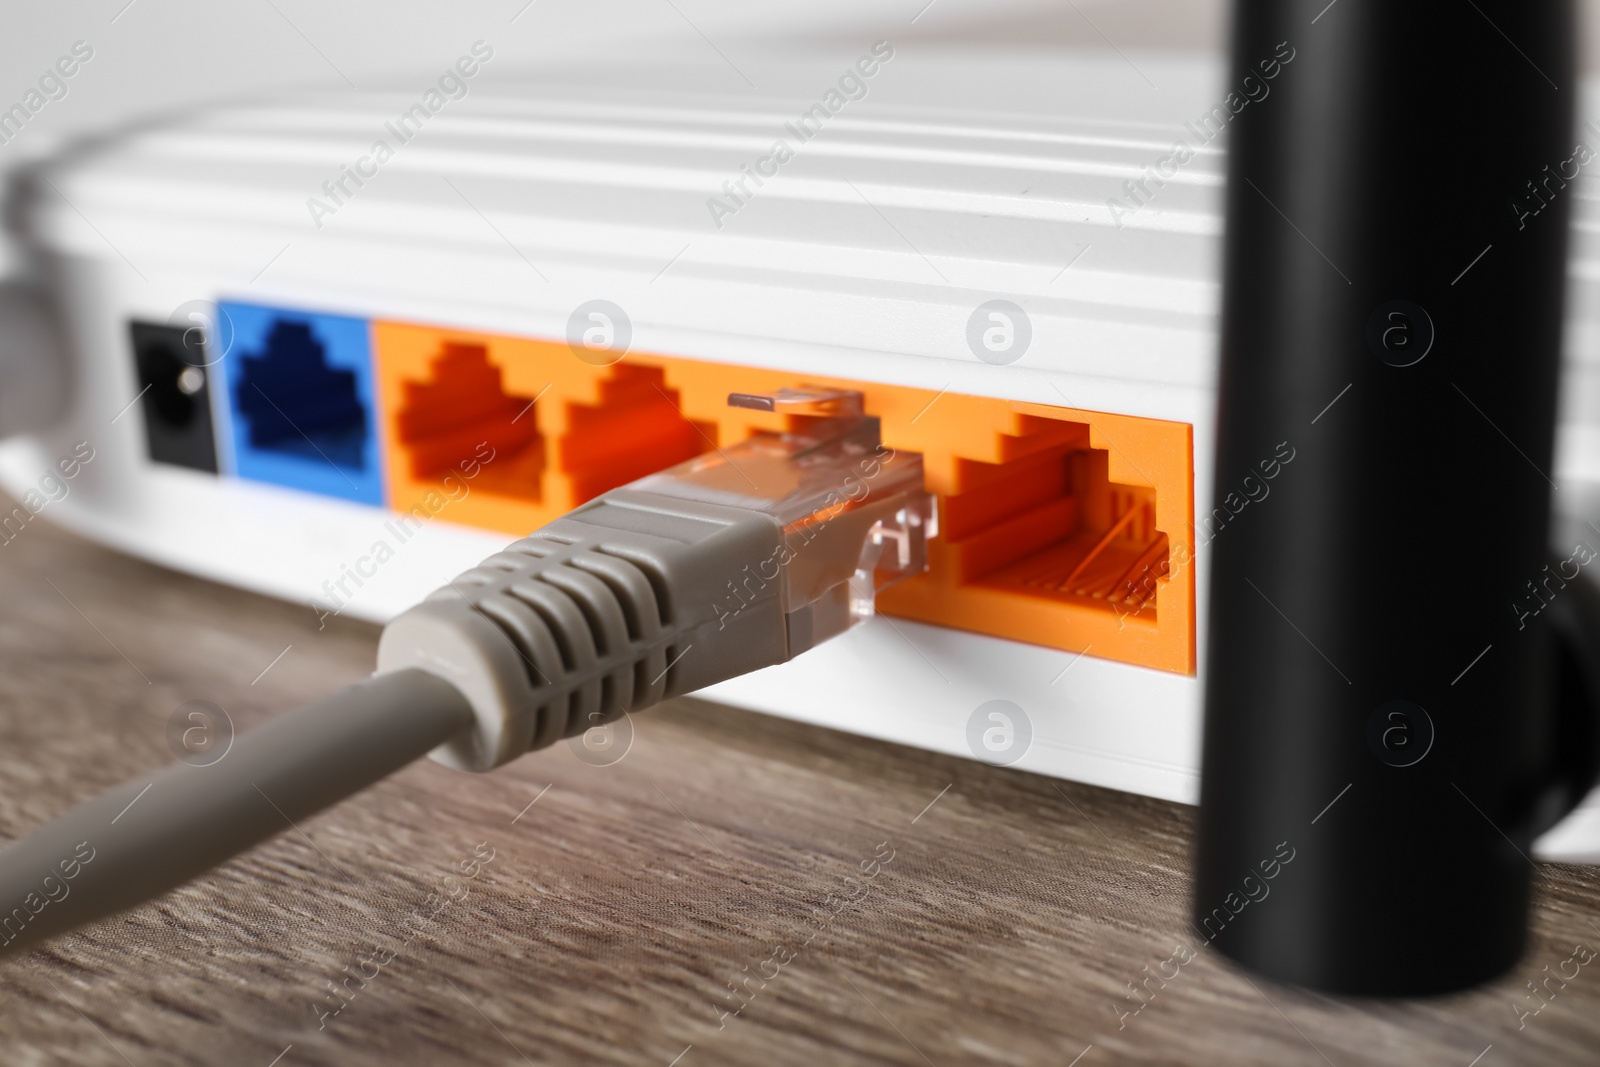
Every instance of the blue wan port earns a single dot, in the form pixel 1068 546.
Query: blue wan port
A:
pixel 300 396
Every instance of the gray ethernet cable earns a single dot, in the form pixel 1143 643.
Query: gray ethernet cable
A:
pixel 736 560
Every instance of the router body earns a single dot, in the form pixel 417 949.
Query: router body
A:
pixel 340 375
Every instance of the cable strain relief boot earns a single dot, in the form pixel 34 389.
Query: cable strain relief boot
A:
pixel 587 619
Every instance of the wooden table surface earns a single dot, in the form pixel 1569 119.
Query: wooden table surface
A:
pixel 991 916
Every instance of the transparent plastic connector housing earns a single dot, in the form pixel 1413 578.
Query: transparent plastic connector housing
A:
pixel 854 514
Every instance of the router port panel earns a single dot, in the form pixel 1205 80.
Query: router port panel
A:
pixel 1059 527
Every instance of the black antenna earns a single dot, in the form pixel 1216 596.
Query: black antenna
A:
pixel 1389 722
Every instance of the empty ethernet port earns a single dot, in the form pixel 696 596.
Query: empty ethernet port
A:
pixel 294 402
pixel 300 387
pixel 174 395
pixel 463 413
pixel 637 429
pixel 1050 521
pixel 1038 543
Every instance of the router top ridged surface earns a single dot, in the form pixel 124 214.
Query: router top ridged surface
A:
pixel 795 212
pixel 1085 188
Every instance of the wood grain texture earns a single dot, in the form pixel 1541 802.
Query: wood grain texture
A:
pixel 618 908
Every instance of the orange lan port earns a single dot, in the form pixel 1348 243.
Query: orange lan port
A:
pixel 462 418
pixel 1060 531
